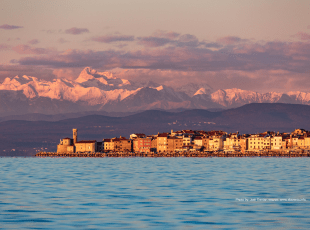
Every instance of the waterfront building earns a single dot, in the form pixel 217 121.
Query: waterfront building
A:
pixel 232 142
pixel 175 143
pixel 154 144
pixel 108 145
pixel 86 146
pixel 257 142
pixel 205 143
pixel 162 142
pixel 189 140
pixel 142 144
pixel 67 145
pixel 301 142
pixel 307 141
pixel 276 142
pixel 122 144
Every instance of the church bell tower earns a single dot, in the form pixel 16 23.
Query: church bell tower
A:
pixel 74 136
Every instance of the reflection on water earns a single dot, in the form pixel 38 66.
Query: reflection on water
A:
pixel 170 193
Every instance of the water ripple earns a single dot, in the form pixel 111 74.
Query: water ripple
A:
pixel 154 193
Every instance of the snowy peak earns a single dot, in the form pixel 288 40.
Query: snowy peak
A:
pixel 102 91
pixel 86 74
pixel 91 87
pixel 300 96
pixel 92 74
pixel 192 89
pixel 201 91
pixel 103 80
pixel 237 97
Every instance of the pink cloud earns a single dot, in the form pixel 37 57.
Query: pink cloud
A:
pixel 303 36
pixel 229 40
pixel 182 40
pixel 33 41
pixel 4 47
pixel 188 40
pixel 25 49
pixel 61 40
pixel 13 39
pixel 14 70
pixel 10 27
pixel 67 73
pixel 76 31
pixel 186 53
pixel 154 41
pixel 166 34
pixel 254 66
pixel 113 38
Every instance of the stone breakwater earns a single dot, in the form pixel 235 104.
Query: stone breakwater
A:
pixel 180 154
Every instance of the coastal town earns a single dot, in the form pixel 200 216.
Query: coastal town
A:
pixel 189 143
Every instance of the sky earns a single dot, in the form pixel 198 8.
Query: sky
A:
pixel 260 46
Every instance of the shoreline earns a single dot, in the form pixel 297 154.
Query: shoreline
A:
pixel 178 154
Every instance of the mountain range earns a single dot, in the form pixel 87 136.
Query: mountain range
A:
pixel 20 137
pixel 101 91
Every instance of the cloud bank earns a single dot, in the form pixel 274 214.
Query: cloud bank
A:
pixel 112 38
pixel 33 41
pixel 165 57
pixel 26 49
pixel 10 27
pixel 76 31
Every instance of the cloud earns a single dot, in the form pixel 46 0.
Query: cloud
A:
pixel 113 38
pixel 154 41
pixel 13 39
pixel 230 61
pixel 53 31
pixel 188 40
pixel 34 41
pixel 70 74
pixel 76 31
pixel 229 40
pixel 75 59
pixel 186 54
pixel 10 27
pixel 258 81
pixel 61 41
pixel 25 49
pixel 303 36
pixel 157 41
pixel 19 70
pixel 166 34
pixel 4 47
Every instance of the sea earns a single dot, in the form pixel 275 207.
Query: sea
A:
pixel 154 193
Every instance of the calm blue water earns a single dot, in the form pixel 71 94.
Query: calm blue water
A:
pixel 155 193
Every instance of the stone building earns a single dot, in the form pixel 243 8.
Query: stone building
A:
pixel 86 146
pixel 108 145
pixel 122 144
pixel 142 145
pixel 162 142
pixel 67 145
pixel 72 145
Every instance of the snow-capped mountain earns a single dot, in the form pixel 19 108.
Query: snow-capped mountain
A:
pixel 192 89
pixel 94 90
